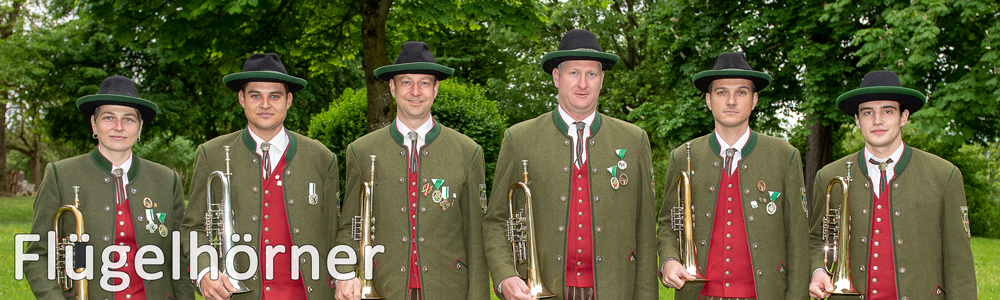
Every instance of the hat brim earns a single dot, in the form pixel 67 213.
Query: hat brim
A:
pixel 235 81
pixel 909 99
pixel 147 109
pixel 703 80
pixel 552 60
pixel 388 72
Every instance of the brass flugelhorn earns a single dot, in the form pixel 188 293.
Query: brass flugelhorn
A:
pixel 363 230
pixel 682 219
pixel 79 287
pixel 837 236
pixel 219 223
pixel 521 234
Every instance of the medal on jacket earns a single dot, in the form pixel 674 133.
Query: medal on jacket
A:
pixel 445 204
pixel 313 197
pixel 149 216
pixel 427 189
pixel 771 206
pixel 437 197
pixel 163 225
pixel 621 155
pixel 614 177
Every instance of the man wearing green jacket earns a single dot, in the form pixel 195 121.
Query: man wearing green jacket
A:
pixel 124 201
pixel 428 197
pixel 590 177
pixel 909 221
pixel 284 189
pixel 749 234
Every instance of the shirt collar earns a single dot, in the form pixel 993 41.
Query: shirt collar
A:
pixel 894 156
pixel 589 120
pixel 125 165
pixel 278 143
pixel 740 143
pixel 421 131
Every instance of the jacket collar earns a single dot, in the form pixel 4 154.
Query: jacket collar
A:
pixel 431 135
pixel 745 152
pixel 106 165
pixel 252 145
pixel 904 159
pixel 563 127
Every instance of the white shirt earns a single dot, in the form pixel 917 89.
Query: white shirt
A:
pixel 421 132
pixel 278 145
pixel 740 143
pixel 572 131
pixel 875 174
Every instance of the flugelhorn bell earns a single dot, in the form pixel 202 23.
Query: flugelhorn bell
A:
pixel 682 219
pixel 837 236
pixel 521 234
pixel 79 287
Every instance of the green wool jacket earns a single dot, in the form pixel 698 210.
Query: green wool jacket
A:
pixel 306 161
pixel 449 241
pixel 778 243
pixel 623 219
pixel 92 173
pixel 929 224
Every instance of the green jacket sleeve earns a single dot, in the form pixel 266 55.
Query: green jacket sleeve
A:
pixel 47 201
pixel 796 226
pixel 958 265
pixel 479 280
pixel 646 262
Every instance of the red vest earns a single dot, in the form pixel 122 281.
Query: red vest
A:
pixel 580 237
pixel 274 232
pixel 881 280
pixel 125 236
pixel 414 275
pixel 729 268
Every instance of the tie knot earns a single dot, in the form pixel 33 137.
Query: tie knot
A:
pixel 412 135
pixel 730 152
pixel 580 125
pixel 265 146
pixel 881 165
pixel 117 172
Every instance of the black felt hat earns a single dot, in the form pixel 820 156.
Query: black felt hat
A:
pixel 263 67
pixel 730 65
pixel 881 85
pixel 578 44
pixel 414 58
pixel 117 90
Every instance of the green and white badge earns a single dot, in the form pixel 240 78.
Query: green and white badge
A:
pixel 621 155
pixel 771 206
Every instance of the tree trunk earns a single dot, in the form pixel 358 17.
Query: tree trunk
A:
pixel 374 55
pixel 819 144
pixel 3 145
pixel 36 165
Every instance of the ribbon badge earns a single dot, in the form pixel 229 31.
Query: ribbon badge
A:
pixel 771 206
pixel 621 155
pixel 437 197
pixel 614 177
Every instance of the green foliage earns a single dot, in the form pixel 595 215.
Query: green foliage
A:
pixel 177 153
pixel 462 107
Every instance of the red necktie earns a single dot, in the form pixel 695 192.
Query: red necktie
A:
pixel 881 166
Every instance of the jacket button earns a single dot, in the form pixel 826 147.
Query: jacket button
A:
pixel 750 218
pixel 591 142
pixel 897 213
pixel 744 166
pixel 106 238
pixel 296 230
pixel 255 161
pixel 290 201
pixel 309 289
pixel 565 169
pixel 559 257
pixel 715 164
pixel 902 270
pixel 303 260
pixel 423 209
pixel 254 278
pixel 895 185
pixel 702 242
pixel 899 242
pixel 425 269
pixel 133 191
pixel 866 185
pixel 404 239
pixel 402 269
pixel 755 245
pixel 107 208
pixel 864 240
pixel 141 218
pixel 402 209
pixel 253 218
pixel 562 198
pixel 862 268
pixel 711 188
pixel 599 259
pixel 593 170
pixel 401 180
pixel 254 189
pixel 597 198
pixel 421 239
pixel 425 153
pixel 287 172
pixel 708 215
pixel 561 228
pixel 566 142
pixel 402 153
pixel 759 273
pixel 107 179
pixel 746 192
pixel 864 211
pixel 598 228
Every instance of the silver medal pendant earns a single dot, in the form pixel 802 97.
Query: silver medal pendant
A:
pixel 622 164
pixel 771 208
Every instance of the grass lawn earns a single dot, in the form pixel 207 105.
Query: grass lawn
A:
pixel 15 217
